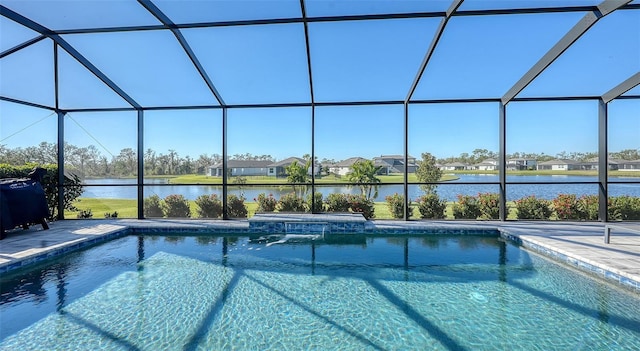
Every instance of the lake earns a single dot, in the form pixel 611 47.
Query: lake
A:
pixel 448 190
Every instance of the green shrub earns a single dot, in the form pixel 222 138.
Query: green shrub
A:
pixel 396 204
pixel 315 203
pixel 72 185
pixel 85 214
pixel 153 207
pixel 209 206
pixel 566 206
pixel 431 206
pixel 588 207
pixel 362 204
pixel 626 207
pixel 291 203
pixel 467 207
pixel 489 205
pixel 266 203
pixel 531 207
pixel 111 215
pixel 571 207
pixel 337 202
pixel 613 212
pixel 176 206
pixel 236 207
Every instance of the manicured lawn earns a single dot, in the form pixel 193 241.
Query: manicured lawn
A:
pixel 127 209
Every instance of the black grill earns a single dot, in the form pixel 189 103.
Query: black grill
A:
pixel 23 202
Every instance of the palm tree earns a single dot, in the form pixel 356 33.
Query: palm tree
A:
pixel 298 174
pixel 364 171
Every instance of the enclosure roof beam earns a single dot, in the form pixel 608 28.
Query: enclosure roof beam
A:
pixel 26 103
pixel 22 46
pixel 622 88
pixel 346 103
pixel 168 23
pixel 561 46
pixel 432 47
pixel 16 17
pixel 308 49
pixel 496 12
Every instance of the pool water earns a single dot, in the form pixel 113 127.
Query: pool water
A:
pixel 300 292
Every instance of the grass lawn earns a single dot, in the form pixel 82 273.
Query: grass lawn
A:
pixel 126 208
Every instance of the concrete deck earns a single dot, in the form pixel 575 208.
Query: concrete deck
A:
pixel 578 244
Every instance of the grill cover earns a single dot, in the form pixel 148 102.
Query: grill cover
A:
pixel 22 201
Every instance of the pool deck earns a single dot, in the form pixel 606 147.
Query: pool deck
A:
pixel 577 244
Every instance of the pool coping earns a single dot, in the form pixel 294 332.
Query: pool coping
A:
pixel 76 235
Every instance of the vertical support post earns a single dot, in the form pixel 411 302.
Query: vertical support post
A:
pixel 313 159
pixel 140 164
pixel 56 86
pixel 502 160
pixel 303 11
pixel 60 164
pixel 603 161
pixel 406 161
pixel 60 185
pixel 225 212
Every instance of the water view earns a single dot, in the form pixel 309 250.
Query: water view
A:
pixel 448 190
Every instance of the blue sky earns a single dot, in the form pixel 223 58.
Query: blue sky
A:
pixel 477 57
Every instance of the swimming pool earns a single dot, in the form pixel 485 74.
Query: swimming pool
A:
pixel 295 292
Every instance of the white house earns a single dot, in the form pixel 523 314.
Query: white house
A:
pixel 489 164
pixel 279 169
pixel 343 167
pixel 558 165
pixel 453 166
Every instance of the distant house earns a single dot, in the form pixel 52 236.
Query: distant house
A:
pixel 453 166
pixel 343 167
pixel 489 164
pixel 279 169
pixel 394 164
pixel 593 165
pixel 520 164
pixel 558 165
pixel 629 165
pixel 241 168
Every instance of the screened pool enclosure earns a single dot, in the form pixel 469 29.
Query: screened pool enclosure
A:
pixel 504 104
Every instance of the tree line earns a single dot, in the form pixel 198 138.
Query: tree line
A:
pixel 88 161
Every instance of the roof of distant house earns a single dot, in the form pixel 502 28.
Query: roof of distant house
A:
pixel 348 162
pixel 288 161
pixel 244 163
pixel 396 157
